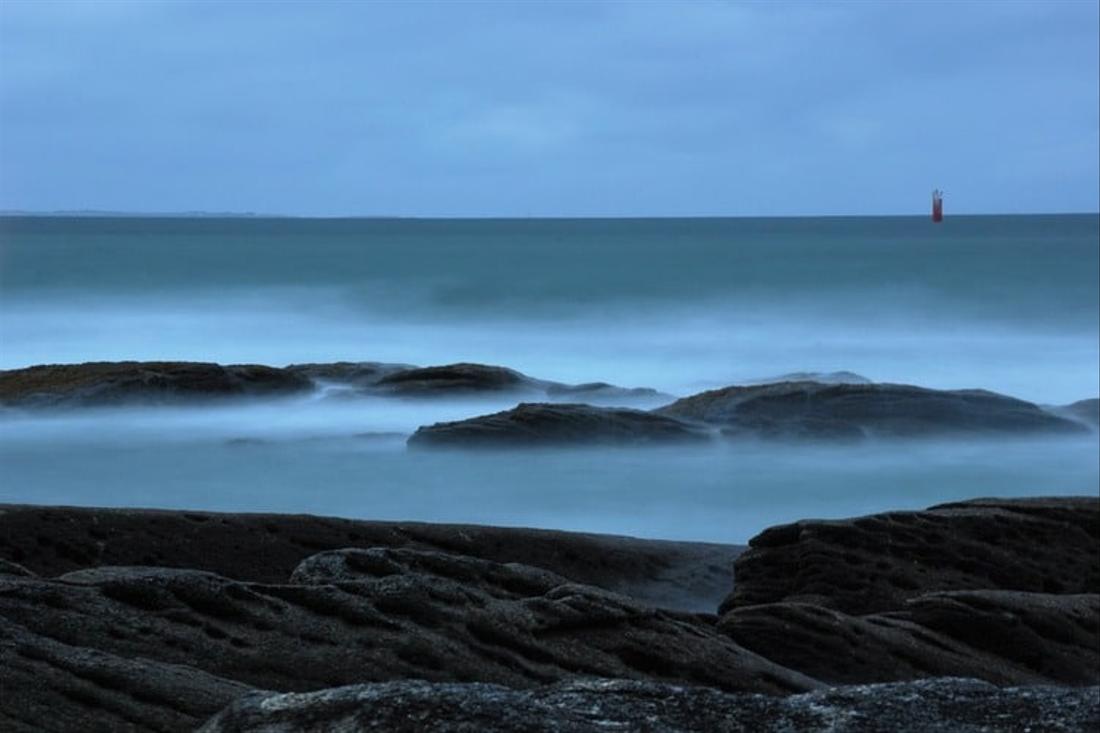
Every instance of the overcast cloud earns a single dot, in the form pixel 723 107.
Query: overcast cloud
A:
pixel 550 109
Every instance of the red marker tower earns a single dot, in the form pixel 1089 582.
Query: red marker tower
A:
pixel 937 206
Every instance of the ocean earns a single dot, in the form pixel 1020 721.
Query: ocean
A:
pixel 1006 303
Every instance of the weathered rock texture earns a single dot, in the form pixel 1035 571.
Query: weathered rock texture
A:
pixel 599 706
pixel 875 563
pixel 1001 590
pixel 351 617
pixel 266 548
pixel 477 628
pixel 124 383
pixel 532 424
pixel 130 382
pixel 848 411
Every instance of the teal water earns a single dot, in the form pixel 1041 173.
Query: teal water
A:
pixel 1009 303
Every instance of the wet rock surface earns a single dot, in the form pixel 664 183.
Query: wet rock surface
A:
pixel 588 706
pixel 131 382
pixel 51 685
pixel 354 616
pixel 1002 637
pixel 875 563
pixel 1007 591
pixel 266 548
pixel 449 627
pixel 533 424
pixel 793 410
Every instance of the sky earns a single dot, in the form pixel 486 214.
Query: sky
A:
pixel 550 108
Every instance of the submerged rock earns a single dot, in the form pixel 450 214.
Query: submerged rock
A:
pixel 814 410
pixel 133 382
pixel 532 424
pixel 598 706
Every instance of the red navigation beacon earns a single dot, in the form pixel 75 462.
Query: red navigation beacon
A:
pixel 937 206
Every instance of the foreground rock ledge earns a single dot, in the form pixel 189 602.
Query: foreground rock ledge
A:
pixel 1005 590
pixel 447 627
pixel 598 706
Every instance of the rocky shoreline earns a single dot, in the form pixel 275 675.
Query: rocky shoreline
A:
pixel 831 407
pixel 978 615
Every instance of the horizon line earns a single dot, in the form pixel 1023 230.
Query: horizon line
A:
pixel 201 214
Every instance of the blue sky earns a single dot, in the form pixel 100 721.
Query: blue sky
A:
pixel 550 109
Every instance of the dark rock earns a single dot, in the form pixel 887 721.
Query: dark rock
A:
pixel 533 424
pixel 7 567
pixel 49 685
pixel 267 547
pixel 813 410
pixel 455 379
pixel 389 614
pixel 354 373
pixel 998 589
pixel 131 382
pixel 874 564
pixel 598 706
pixel 1087 411
pixel 1053 636
pixel 842 377
pixel 998 636
pixel 601 392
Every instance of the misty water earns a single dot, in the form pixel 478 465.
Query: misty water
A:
pixel 1002 303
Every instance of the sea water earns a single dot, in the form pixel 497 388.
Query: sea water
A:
pixel 1008 303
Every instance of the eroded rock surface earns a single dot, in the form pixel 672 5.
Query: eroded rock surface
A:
pixel 598 706
pixel 998 589
pixel 875 563
pixel 132 382
pixel 357 616
pixel 534 424
pixel 999 636
pixel 267 548
pixel 448 627
pixel 51 685
pixel 849 411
